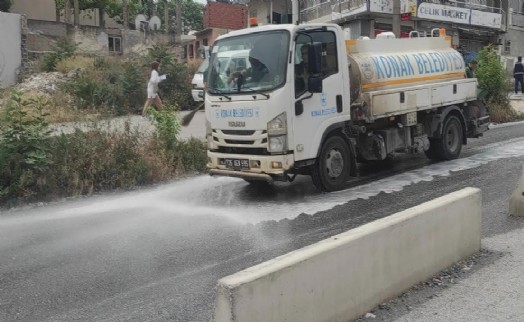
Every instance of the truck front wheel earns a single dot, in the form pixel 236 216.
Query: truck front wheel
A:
pixel 331 170
pixel 449 145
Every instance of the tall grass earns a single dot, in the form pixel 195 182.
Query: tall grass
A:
pixel 37 166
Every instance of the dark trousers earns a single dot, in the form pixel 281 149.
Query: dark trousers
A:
pixel 519 79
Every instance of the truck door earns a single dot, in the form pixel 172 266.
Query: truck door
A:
pixel 319 109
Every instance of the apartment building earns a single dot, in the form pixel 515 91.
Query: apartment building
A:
pixel 512 44
pixel 472 24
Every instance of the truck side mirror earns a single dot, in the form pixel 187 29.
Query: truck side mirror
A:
pixel 299 108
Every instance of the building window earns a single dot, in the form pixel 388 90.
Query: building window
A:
pixel 507 46
pixel 204 42
pixel 115 44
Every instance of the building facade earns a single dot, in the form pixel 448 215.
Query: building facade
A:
pixel 472 24
pixel 512 44
pixel 219 18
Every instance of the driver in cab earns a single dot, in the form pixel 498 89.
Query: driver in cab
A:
pixel 254 74
pixel 301 70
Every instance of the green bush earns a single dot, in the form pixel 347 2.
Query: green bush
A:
pixel 62 49
pixel 35 165
pixel 168 128
pixel 491 76
pixel 191 156
pixel 133 86
pixel 24 158
pixel 111 85
pixel 94 161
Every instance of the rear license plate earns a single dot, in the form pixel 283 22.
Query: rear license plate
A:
pixel 236 163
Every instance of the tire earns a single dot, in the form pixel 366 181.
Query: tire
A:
pixel 449 145
pixel 331 170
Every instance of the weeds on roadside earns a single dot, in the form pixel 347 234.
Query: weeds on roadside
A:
pixel 35 165
pixel 24 150
pixel 493 86
pixel 62 49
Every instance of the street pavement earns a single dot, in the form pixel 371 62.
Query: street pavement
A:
pixel 493 293
pixel 517 102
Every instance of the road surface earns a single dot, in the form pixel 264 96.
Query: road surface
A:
pixel 156 254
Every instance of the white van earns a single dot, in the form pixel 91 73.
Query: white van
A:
pixel 197 83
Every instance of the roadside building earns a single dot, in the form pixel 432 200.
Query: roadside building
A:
pixel 219 18
pixel 512 43
pixel 96 33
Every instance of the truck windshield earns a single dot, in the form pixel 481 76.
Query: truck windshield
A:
pixel 247 63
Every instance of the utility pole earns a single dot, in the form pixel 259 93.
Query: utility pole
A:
pixel 178 12
pixel 166 15
pixel 77 12
pixel 125 13
pixel 67 11
pixel 396 18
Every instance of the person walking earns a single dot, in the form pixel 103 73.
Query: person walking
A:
pixel 152 89
pixel 518 73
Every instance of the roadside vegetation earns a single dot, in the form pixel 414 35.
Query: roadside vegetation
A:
pixel 36 164
pixel 494 86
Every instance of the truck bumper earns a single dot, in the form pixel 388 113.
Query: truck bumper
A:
pixel 265 168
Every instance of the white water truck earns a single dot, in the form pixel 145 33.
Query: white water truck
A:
pixel 309 102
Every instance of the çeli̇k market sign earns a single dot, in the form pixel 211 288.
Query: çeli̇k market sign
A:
pixel 443 13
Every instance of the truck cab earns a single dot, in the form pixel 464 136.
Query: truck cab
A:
pixel 270 123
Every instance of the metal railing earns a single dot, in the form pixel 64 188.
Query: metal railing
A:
pixel 314 9
pixel 487 6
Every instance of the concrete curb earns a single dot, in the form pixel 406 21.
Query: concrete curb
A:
pixel 343 277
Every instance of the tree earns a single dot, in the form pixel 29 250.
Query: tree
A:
pixel 192 14
pixel 5 5
pixel 104 6
pixel 491 75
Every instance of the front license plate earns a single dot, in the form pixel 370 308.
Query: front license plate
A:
pixel 236 163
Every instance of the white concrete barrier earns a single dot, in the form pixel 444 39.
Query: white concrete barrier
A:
pixel 343 277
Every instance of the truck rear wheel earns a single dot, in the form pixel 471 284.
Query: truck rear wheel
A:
pixel 449 145
pixel 331 171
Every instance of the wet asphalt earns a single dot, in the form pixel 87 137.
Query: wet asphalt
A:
pixel 156 254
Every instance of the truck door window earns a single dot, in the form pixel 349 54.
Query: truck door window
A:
pixel 329 57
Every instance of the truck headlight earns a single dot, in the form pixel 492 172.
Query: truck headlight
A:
pixel 209 136
pixel 209 132
pixel 278 125
pixel 277 133
pixel 277 143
